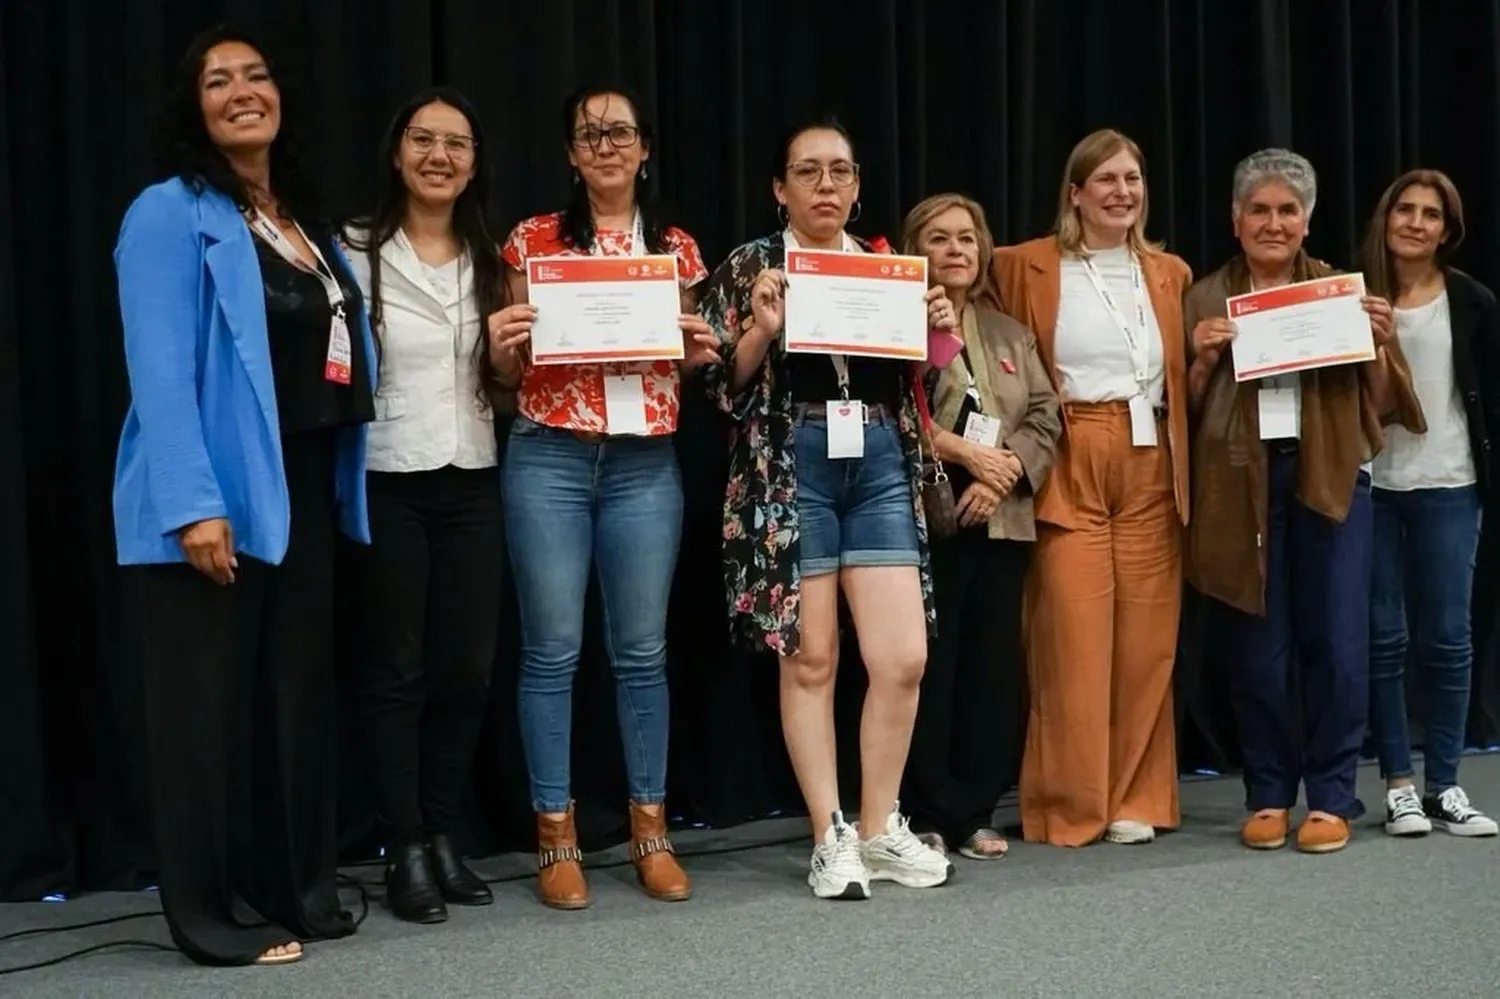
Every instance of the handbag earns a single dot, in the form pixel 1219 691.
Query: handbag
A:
pixel 937 490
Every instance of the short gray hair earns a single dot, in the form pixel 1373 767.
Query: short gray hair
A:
pixel 1283 165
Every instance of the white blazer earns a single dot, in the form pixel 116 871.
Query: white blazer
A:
pixel 428 409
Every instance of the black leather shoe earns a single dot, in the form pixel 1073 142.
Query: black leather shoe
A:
pixel 458 884
pixel 411 891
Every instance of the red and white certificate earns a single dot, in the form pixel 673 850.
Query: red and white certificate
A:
pixel 871 304
pixel 1298 327
pixel 594 309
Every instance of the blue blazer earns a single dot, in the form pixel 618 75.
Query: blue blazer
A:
pixel 202 438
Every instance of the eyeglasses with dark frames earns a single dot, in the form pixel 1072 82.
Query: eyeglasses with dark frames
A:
pixel 620 136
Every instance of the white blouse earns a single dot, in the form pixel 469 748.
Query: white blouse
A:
pixel 1091 354
pixel 428 411
pixel 1440 458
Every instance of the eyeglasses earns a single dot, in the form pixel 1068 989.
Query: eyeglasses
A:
pixel 810 174
pixel 620 136
pixel 458 146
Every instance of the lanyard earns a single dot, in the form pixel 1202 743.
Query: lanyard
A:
pixel 339 366
pixel 1135 338
pixel 840 362
pixel 273 235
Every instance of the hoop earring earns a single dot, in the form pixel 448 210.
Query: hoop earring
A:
pixel 782 215
pixel 858 211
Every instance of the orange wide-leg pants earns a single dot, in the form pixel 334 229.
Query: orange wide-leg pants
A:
pixel 1102 607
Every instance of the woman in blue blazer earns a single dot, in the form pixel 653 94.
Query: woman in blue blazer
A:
pixel 242 456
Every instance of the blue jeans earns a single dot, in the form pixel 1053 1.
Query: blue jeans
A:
pixel 1425 539
pixel 1318 607
pixel 573 507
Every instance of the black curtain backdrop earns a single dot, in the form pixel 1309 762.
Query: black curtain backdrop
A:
pixel 984 96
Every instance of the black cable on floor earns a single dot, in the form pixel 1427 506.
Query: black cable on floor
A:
pixel 346 880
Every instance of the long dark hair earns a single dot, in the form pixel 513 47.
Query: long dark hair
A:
pixel 578 217
pixel 1376 263
pixel 471 219
pixel 186 151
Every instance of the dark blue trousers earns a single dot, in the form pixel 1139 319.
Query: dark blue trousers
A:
pixel 1306 726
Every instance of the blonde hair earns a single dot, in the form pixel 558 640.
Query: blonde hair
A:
pixel 1091 151
pixel 921 216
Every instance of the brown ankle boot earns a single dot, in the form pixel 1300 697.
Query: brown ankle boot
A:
pixel 655 866
pixel 559 863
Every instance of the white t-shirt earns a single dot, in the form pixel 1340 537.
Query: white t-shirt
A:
pixel 1091 353
pixel 1440 458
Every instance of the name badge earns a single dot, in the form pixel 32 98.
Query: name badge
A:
pixel 625 405
pixel 846 428
pixel 982 429
pixel 339 367
pixel 1280 414
pixel 1142 422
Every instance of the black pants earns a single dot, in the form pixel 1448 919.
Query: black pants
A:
pixel 431 583
pixel 966 748
pixel 240 708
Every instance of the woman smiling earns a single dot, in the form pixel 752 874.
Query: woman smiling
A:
pixel 1428 493
pixel 1106 584
pixel 995 427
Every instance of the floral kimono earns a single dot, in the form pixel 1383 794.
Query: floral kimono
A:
pixel 761 533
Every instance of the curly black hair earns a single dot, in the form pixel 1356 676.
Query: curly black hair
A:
pixel 186 151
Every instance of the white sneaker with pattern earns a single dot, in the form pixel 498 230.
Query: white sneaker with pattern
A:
pixel 898 855
pixel 837 870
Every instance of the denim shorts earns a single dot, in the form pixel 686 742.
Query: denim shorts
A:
pixel 853 511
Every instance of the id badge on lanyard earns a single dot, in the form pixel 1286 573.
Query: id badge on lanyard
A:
pixel 1142 418
pixel 625 395
pixel 338 366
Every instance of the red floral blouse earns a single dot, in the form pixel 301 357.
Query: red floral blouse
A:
pixel 571 396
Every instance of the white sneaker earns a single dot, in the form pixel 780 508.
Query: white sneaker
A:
pixel 1452 813
pixel 898 855
pixel 1404 815
pixel 837 869
pixel 1130 832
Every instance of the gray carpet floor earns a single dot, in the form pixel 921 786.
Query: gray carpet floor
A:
pixel 1192 915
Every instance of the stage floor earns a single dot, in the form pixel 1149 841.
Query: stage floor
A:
pixel 1192 915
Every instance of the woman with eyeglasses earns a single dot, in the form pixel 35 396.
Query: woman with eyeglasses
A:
pixel 802 521
pixel 591 484
pixel 430 581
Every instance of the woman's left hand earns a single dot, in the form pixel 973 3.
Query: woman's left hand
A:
pixel 1382 319
pixel 977 504
pixel 699 345
pixel 940 314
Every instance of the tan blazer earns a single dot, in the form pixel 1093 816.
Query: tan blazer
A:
pixel 1013 386
pixel 1029 276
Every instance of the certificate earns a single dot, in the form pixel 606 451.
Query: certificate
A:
pixel 872 304
pixel 592 309
pixel 1297 327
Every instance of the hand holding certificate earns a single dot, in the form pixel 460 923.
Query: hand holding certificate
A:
pixel 594 309
pixel 1298 327
pixel 873 305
